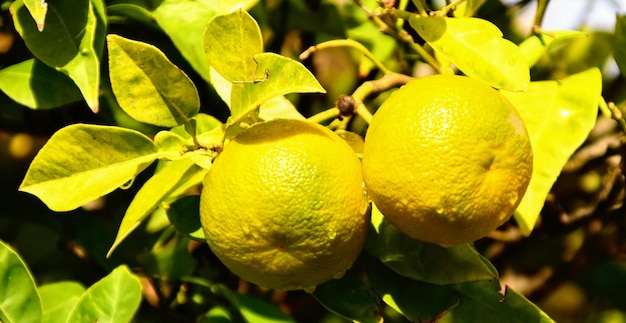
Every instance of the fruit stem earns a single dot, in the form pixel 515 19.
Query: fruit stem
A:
pixel 542 5
pixel 443 12
pixel 324 116
pixel 346 43
pixel 368 88
pixel 404 36
pixel 616 114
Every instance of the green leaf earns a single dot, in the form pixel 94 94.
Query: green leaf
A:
pixel 171 260
pixel 184 215
pixel 620 43
pixel 418 301
pixel 37 86
pixel 350 298
pixel 483 302
pixel 230 43
pixel 38 10
pixel 217 314
pixel 558 117
pixel 19 300
pixel 58 300
pixel 252 309
pixel 83 162
pixel 184 22
pixel 132 11
pixel 477 48
pixel 67 42
pixel 284 76
pixel 148 86
pixel 415 259
pixel 537 45
pixel 256 310
pixel 114 298
pixel 151 194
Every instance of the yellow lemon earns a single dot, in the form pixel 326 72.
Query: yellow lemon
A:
pixel 446 159
pixel 283 205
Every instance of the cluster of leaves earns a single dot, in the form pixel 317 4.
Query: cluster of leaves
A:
pixel 224 45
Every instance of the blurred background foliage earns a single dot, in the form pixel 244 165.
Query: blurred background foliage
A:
pixel 573 265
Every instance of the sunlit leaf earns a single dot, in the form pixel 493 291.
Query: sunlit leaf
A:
pixel 151 194
pixel 424 261
pixel 114 298
pixel 58 300
pixel 221 85
pixel 38 10
pixel 537 45
pixel 477 48
pixel 83 162
pixel 37 86
pixel 484 302
pixel 67 42
pixel 19 299
pixel 349 297
pixel 277 75
pixel 224 6
pixel 184 22
pixel 171 145
pixel 468 8
pixel 418 301
pixel 558 117
pixel 148 86
pixel 620 43
pixel 230 43
pixel 279 107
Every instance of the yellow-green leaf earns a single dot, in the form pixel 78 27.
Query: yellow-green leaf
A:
pixel 152 193
pixel 477 48
pixel 148 86
pixel 37 85
pixel 230 43
pixel 535 46
pixel 19 299
pixel 114 298
pixel 83 162
pixel 276 75
pixel 69 43
pixel 184 22
pixel 38 10
pixel 558 117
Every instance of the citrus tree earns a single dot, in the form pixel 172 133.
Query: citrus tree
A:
pixel 285 161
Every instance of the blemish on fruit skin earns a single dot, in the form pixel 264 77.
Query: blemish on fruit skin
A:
pixel 282 247
pixel 331 234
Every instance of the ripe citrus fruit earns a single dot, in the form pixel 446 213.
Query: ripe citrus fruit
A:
pixel 283 205
pixel 446 159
